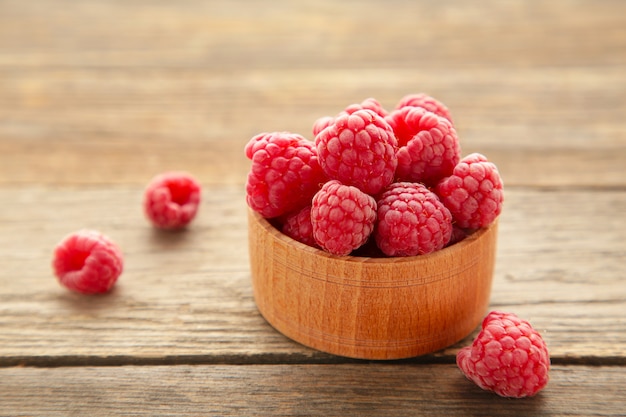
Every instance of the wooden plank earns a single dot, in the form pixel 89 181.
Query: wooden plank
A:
pixel 153 86
pixel 298 390
pixel 103 127
pixel 233 34
pixel 188 295
pixel 96 97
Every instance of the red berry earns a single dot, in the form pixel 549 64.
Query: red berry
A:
pixel 473 193
pixel 428 145
pixel 87 262
pixel 321 124
pixel 343 217
pixel 507 357
pixel 411 221
pixel 359 149
pixel 285 173
pixel 426 102
pixel 458 235
pixel 171 200
pixel 297 225
pixel 367 104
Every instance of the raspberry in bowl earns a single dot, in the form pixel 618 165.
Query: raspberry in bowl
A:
pixel 369 267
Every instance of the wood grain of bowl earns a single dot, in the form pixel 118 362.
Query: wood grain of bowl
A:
pixel 371 308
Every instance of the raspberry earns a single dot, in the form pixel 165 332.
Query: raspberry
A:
pixel 507 357
pixel 171 200
pixel 87 262
pixel 321 124
pixel 343 217
pixel 426 102
pixel 429 145
pixel 369 104
pixel 458 235
pixel 411 221
pixel 297 225
pixel 285 173
pixel 473 193
pixel 359 149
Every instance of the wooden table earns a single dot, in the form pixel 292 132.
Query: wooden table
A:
pixel 97 97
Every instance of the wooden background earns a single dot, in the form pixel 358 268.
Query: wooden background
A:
pixel 96 97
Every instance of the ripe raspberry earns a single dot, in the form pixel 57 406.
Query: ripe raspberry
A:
pixel 343 217
pixel 458 235
pixel 321 124
pixel 285 173
pixel 87 262
pixel 367 104
pixel 411 221
pixel 473 193
pixel 429 146
pixel 507 357
pixel 426 102
pixel 297 225
pixel 359 149
pixel 171 200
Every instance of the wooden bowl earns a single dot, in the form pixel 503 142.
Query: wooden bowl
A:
pixel 371 308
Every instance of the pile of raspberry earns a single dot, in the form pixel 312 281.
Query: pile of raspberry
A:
pixel 379 183
pixel 374 182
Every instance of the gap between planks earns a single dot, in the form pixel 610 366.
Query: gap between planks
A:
pixel 446 357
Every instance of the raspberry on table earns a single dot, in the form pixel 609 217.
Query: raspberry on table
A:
pixel 411 221
pixel 368 104
pixel 507 357
pixel 171 200
pixel 429 147
pixel 87 262
pixel 297 225
pixel 359 149
pixel 426 102
pixel 473 193
pixel 342 217
pixel 285 173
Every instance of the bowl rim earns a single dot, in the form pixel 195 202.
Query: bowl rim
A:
pixel 444 252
